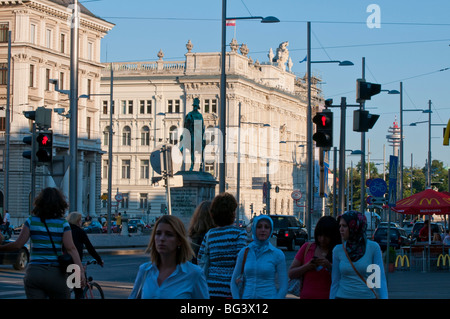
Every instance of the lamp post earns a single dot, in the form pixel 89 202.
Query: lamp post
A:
pixel 223 90
pixel 429 140
pixel 309 151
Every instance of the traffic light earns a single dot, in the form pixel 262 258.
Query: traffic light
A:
pixel 324 129
pixel 44 152
pixel 31 115
pixel 365 90
pixel 363 120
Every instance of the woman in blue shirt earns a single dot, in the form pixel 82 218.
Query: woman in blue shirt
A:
pixel 358 269
pixel 265 267
pixel 169 274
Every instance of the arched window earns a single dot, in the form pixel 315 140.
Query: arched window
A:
pixel 106 136
pixel 145 136
pixel 126 136
pixel 173 135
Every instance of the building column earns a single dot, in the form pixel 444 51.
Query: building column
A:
pixel 80 183
pixel 92 195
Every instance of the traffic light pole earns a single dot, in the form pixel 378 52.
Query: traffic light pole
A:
pixel 33 166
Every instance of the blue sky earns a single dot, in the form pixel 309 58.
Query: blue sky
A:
pixel 411 45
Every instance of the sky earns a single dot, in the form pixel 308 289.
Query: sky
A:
pixel 400 41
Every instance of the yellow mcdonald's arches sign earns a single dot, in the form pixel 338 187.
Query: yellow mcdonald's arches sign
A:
pixel 402 259
pixel 407 201
pixel 447 133
pixel 444 258
pixel 429 200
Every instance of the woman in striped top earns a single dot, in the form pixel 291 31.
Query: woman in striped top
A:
pixel 43 278
pixel 221 245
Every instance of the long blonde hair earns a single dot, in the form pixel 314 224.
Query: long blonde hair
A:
pixel 184 253
pixel 74 218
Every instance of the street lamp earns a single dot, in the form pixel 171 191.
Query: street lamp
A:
pixel 223 92
pixel 309 151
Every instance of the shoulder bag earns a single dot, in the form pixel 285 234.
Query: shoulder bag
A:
pixel 359 275
pixel 295 284
pixel 65 259
pixel 240 280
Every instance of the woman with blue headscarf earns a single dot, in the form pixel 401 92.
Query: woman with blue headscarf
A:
pixel 265 265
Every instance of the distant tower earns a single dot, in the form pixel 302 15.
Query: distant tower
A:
pixel 394 137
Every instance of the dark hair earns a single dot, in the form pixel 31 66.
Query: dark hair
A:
pixel 329 227
pixel 223 209
pixel 50 203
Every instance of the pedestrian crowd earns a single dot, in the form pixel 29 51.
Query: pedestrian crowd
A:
pixel 213 259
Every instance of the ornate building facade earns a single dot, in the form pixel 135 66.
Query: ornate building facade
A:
pixel 151 100
pixel 40 50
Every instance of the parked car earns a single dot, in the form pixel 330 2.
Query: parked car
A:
pixel 435 228
pixel 288 230
pixel 135 224
pixel 18 259
pixel 92 227
pixel 398 237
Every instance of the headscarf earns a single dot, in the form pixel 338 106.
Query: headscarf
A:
pixel 260 245
pixel 356 242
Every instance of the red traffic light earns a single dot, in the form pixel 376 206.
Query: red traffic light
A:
pixel 44 139
pixel 323 120
pixel 45 147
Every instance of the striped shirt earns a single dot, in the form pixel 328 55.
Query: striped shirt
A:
pixel 41 246
pixel 217 256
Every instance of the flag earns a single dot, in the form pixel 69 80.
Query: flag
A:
pixel 231 23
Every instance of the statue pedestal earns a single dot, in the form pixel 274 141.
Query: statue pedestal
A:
pixel 197 187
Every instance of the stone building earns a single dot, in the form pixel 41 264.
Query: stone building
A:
pixel 151 100
pixel 40 37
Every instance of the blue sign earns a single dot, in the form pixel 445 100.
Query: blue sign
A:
pixel 378 187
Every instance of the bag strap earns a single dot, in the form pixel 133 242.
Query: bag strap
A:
pixel 360 276
pixel 49 235
pixel 245 258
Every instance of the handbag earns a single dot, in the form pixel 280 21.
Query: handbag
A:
pixel 240 280
pixel 295 284
pixel 65 259
pixel 362 278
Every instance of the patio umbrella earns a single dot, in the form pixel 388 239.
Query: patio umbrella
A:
pixel 427 202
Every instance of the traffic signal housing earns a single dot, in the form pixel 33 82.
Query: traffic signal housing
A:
pixel 28 154
pixel 365 90
pixel 324 129
pixel 363 121
pixel 44 152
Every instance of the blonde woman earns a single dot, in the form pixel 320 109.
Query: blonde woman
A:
pixel 169 274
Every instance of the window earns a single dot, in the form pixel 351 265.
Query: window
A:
pixel 173 135
pixel 90 52
pixel 48 38
pixel 145 169
pixel 105 168
pixel 88 127
pixel 2 124
pixel 4 28
pixel 126 136
pixel 145 106
pixel 31 79
pixel 126 169
pixel 106 136
pixel 173 106
pixel 210 106
pixel 61 80
pixel 127 107
pixel 145 136
pixel 89 86
pixel 47 79
pixel 125 202
pixel 33 34
pixel 105 107
pixel 62 43
pixel 143 201
pixel 3 73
